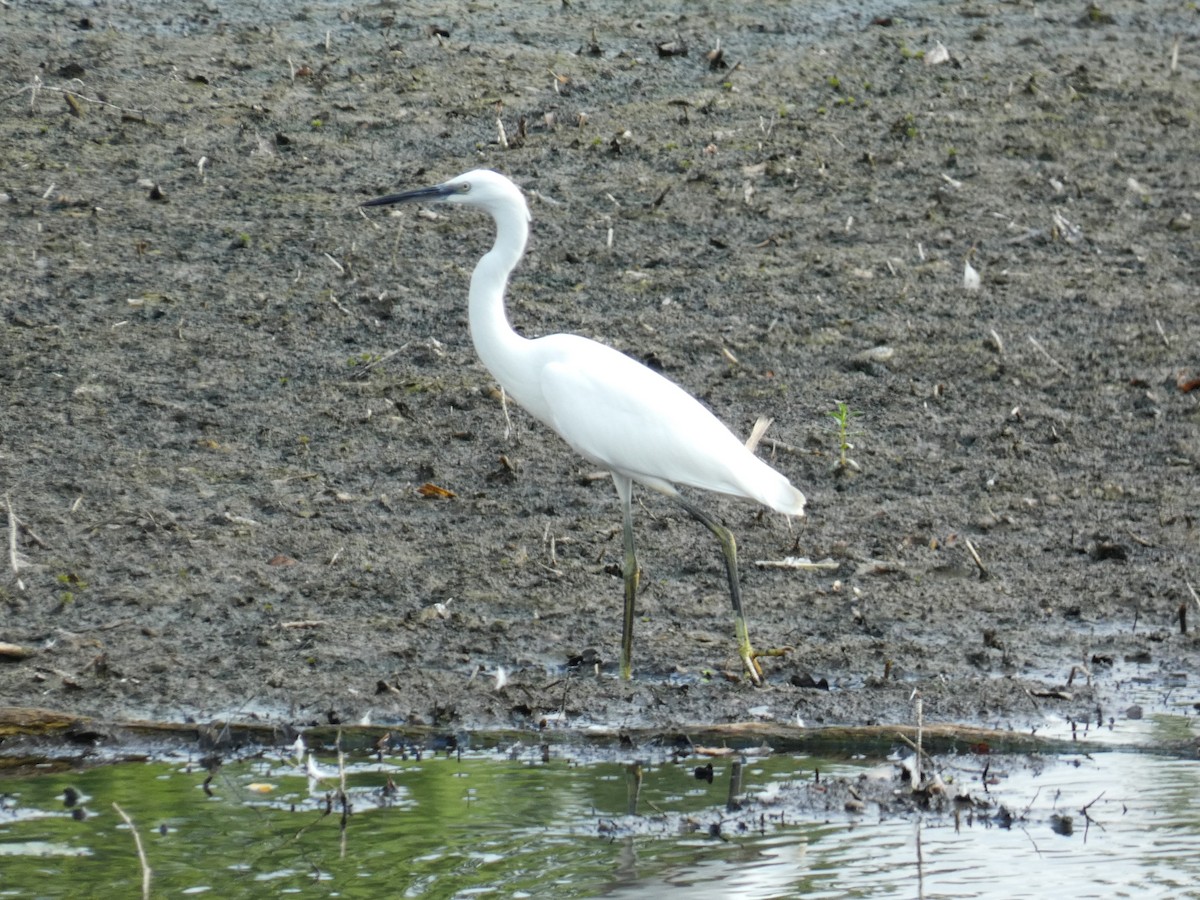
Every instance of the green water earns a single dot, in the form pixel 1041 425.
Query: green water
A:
pixel 475 825
pixel 512 824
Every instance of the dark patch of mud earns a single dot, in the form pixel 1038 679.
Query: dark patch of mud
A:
pixel 223 385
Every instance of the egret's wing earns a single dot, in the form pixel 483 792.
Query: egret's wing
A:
pixel 622 415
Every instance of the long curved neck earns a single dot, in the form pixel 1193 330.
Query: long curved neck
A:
pixel 495 341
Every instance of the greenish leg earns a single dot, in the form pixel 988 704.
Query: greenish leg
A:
pixel 729 550
pixel 631 572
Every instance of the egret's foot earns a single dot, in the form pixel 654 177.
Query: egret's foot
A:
pixel 750 660
pixel 751 666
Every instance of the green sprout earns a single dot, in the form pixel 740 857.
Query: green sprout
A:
pixel 842 416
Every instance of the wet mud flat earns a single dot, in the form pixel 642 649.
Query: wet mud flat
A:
pixel 252 468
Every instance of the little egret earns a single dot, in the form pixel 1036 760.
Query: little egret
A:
pixel 611 409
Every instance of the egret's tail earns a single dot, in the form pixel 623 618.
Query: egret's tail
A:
pixel 771 488
pixel 786 499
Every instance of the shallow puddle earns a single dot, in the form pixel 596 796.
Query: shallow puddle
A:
pixel 526 820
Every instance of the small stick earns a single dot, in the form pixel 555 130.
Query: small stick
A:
pixel 1085 811
pixel 919 709
pixel 15 560
pixel 337 265
pixel 37 86
pixel 382 358
pixel 1046 354
pixel 342 795
pixel 780 445
pixel 983 573
pixel 141 851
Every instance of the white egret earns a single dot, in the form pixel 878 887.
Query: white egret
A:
pixel 611 409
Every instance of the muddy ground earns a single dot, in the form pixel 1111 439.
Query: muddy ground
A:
pixel 224 386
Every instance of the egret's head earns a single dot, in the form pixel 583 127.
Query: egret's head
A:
pixel 483 188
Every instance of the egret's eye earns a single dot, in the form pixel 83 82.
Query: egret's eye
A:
pixel 464 187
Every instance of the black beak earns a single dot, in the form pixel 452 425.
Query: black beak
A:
pixel 437 192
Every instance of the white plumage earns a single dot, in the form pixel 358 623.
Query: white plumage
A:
pixel 609 408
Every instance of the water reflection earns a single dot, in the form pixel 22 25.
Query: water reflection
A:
pixel 1107 825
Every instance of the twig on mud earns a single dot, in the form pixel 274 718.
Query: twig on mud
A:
pixel 1138 539
pixel 336 302
pixel 337 265
pixel 16 561
pixel 141 851
pixel 379 360
pixel 798 562
pixel 33 89
pixel 779 445
pixel 362 212
pixel 984 575
pixel 1046 353
pixel 1166 340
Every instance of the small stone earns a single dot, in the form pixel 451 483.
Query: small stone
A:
pixel 1181 222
